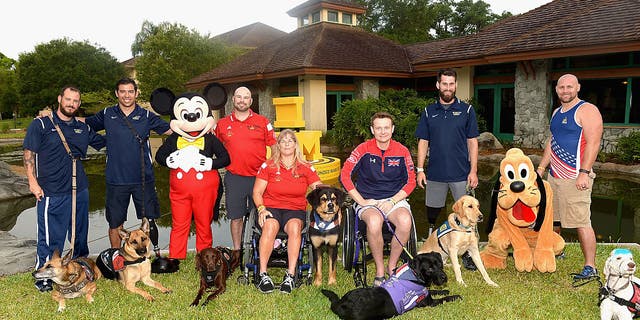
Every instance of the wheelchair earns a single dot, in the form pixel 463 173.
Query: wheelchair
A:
pixel 354 245
pixel 250 254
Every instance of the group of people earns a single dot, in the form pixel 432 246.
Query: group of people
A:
pixel 379 174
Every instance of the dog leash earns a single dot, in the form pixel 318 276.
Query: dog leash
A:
pixel 393 232
pixel 73 184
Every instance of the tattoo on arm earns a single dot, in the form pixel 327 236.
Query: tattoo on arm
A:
pixel 29 163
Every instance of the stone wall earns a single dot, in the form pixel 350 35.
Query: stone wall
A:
pixel 610 137
pixel 367 88
pixel 532 104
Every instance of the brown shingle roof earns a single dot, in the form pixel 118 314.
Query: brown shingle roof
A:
pixel 322 48
pixel 251 36
pixel 551 30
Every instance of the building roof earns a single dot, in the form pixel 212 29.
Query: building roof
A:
pixel 322 48
pixel 345 5
pixel 557 29
pixel 251 36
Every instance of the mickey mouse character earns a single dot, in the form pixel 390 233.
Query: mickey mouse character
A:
pixel 193 154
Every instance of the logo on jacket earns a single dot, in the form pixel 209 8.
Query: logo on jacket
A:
pixel 136 118
pixel 456 113
pixel 78 131
pixel 393 163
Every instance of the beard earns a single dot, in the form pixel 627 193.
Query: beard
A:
pixel 66 111
pixel 447 98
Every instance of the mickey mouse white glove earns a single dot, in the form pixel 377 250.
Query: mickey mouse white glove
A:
pixel 173 160
pixel 203 164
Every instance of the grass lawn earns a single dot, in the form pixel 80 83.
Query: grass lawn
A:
pixel 520 296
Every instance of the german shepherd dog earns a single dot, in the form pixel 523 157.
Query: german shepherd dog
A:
pixel 131 262
pixel 215 266
pixel 72 277
pixel 326 216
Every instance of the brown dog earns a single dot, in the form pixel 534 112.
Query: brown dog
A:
pixel 72 278
pixel 458 235
pixel 215 266
pixel 136 253
pixel 326 215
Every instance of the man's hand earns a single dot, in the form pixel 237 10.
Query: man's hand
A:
pixel 421 179
pixel 472 180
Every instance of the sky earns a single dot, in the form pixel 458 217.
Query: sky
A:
pixel 114 24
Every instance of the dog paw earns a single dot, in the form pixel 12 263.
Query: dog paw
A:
pixel 461 282
pixel 167 291
pixel 493 284
pixel 61 308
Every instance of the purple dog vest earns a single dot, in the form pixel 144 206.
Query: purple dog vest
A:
pixel 404 292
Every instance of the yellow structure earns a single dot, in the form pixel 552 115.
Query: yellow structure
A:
pixel 289 116
pixel 289 112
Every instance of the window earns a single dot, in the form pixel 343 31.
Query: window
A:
pixel 634 113
pixel 609 95
pixel 332 16
pixel 347 18
pixel 305 21
pixel 315 17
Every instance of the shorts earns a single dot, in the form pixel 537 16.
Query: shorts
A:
pixel 572 207
pixel 117 202
pixel 284 215
pixel 238 195
pixel 400 204
pixel 436 192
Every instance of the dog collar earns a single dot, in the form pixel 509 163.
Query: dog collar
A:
pixel 89 276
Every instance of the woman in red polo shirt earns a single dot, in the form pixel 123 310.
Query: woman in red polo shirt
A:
pixel 279 195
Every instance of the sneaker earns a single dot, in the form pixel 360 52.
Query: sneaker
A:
pixel 377 281
pixel 266 284
pixel 44 285
pixel 287 283
pixel 467 262
pixel 587 272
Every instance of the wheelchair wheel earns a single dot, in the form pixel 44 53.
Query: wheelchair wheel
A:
pixel 247 233
pixel 412 245
pixel 243 280
pixel 348 238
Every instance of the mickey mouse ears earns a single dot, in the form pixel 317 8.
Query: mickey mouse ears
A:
pixel 216 95
pixel 162 100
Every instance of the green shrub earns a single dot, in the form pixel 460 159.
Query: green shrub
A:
pixel 4 128
pixel 628 149
pixel 351 123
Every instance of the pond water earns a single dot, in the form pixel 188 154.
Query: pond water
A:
pixel 615 209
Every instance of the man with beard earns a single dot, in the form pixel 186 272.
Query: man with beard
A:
pixel 246 136
pixel 49 168
pixel 576 131
pixel 448 133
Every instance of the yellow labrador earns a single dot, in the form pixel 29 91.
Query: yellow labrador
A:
pixel 457 236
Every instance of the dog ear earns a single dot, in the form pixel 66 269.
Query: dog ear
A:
pixel 145 225
pixel 56 254
pixel 457 206
pixel 67 258
pixel 198 263
pixel 312 197
pixel 124 234
pixel 340 195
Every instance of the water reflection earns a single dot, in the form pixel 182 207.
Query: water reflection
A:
pixel 615 209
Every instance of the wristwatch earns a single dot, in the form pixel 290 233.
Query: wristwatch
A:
pixel 419 169
pixel 584 171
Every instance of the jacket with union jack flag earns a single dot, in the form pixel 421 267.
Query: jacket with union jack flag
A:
pixel 378 174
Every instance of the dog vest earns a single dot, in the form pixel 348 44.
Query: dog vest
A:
pixel 322 225
pixel 89 277
pixel 405 289
pixel 110 261
pixel 444 229
pixel 635 299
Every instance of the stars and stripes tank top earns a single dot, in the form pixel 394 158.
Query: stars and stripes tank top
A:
pixel 567 143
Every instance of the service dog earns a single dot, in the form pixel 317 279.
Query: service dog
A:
pixel 215 266
pixel 326 216
pixel 459 235
pixel 131 263
pixel 620 295
pixel 72 278
pixel 406 289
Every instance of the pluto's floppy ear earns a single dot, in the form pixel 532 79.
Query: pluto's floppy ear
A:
pixel 542 207
pixel 313 196
pixel 162 100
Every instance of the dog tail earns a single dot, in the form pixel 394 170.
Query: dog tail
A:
pixel 333 297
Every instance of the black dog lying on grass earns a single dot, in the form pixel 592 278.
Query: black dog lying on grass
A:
pixel 406 289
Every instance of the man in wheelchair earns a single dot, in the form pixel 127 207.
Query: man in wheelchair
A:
pixel 279 194
pixel 384 178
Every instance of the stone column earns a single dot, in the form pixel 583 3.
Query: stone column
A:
pixel 533 104
pixel 367 88
pixel 266 98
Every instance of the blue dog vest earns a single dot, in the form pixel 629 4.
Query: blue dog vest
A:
pixel 404 290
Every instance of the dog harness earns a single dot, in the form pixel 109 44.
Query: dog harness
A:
pixel 446 228
pixel 110 261
pixel 322 225
pixel 405 289
pixel 633 304
pixel 89 276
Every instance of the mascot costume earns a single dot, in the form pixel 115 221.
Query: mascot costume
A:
pixel 522 217
pixel 193 155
